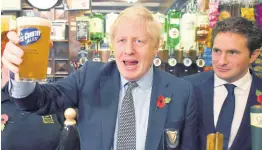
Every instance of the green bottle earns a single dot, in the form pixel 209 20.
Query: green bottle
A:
pixel 96 27
pixel 173 33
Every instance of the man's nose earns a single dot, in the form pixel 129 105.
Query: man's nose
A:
pixel 223 59
pixel 129 49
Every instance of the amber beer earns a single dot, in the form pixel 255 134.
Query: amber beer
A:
pixel 34 36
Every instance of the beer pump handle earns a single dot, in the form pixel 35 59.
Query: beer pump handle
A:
pixel 219 141
pixel 70 115
pixel 214 141
pixel 69 138
pixel 210 143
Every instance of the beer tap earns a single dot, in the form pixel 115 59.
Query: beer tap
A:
pixel 112 56
pixel 187 61
pixel 172 62
pixel 69 138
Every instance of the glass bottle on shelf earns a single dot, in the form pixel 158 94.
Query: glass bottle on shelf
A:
pixel 82 35
pixel 109 19
pixel 173 21
pixel 161 18
pixel 96 32
pixel 202 30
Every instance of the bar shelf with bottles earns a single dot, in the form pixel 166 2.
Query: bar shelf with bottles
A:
pixel 185 46
pixel 187 41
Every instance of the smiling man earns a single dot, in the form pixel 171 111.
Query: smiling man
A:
pixel 126 104
pixel 225 95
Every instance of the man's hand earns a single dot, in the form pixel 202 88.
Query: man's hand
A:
pixel 12 56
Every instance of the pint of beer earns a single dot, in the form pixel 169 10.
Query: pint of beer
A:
pixel 34 36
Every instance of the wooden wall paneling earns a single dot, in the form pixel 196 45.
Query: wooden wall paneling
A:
pixel 61 50
pixel 61 67
pixel 60 14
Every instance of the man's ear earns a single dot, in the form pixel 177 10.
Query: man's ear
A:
pixel 254 55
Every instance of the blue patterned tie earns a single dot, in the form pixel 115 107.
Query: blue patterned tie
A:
pixel 126 136
pixel 226 115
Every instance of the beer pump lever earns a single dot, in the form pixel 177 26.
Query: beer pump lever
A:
pixel 69 138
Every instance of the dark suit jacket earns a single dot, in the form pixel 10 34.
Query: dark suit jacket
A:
pixel 95 88
pixel 204 87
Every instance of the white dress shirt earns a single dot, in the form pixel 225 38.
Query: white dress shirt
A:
pixel 241 91
pixel 141 96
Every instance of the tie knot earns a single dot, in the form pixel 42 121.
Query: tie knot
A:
pixel 230 88
pixel 132 85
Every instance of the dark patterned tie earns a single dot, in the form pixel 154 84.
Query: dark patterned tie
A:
pixel 126 136
pixel 226 115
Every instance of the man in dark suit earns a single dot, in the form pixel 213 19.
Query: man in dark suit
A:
pixel 225 95
pixel 124 104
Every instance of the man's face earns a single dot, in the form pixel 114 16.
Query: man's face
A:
pixel 231 57
pixel 134 48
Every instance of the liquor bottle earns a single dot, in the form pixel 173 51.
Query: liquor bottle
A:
pixel 173 21
pixel 111 56
pixel 202 31
pixel 188 30
pixel 82 28
pixel 161 18
pixel 82 35
pixel 109 19
pixel 96 27
pixel 69 138
pixel 96 32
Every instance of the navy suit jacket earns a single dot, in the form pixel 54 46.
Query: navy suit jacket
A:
pixel 94 90
pixel 204 88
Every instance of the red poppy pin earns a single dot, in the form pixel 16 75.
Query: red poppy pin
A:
pixel 4 119
pixel 259 96
pixel 162 101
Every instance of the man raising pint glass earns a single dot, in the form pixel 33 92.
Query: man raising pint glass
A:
pixel 126 104
pixel 34 33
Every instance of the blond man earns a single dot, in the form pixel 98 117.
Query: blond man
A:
pixel 126 104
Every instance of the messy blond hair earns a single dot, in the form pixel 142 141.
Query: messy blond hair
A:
pixel 138 11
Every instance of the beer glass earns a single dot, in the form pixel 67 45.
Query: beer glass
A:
pixel 34 34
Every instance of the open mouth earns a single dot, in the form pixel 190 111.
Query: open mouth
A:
pixel 130 63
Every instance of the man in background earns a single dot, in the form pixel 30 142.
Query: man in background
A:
pixel 225 95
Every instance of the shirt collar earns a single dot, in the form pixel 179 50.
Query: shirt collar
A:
pixel 145 82
pixel 241 83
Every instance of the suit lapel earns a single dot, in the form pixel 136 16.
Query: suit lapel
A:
pixel 207 95
pixel 243 133
pixel 157 117
pixel 109 95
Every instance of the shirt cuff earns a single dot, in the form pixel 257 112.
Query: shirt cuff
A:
pixel 20 89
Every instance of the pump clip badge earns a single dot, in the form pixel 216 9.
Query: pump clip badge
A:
pixel 29 36
pixel 172 138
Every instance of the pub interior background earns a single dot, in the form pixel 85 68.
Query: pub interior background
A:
pixel 80 30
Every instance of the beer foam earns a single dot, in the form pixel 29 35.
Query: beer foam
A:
pixel 24 21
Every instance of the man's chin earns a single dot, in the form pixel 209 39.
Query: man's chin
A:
pixel 228 78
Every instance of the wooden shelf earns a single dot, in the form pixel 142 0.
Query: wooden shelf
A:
pixel 65 59
pixel 60 40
